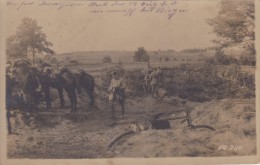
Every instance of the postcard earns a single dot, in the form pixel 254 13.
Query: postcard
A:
pixel 123 82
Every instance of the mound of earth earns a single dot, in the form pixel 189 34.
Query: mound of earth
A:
pixel 87 133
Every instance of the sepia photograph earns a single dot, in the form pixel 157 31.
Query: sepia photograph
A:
pixel 129 79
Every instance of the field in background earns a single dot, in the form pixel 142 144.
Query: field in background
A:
pixel 91 61
pixel 127 56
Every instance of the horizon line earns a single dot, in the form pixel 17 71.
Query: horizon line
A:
pixel 118 50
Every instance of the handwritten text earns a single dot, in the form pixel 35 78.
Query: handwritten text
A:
pixel 125 8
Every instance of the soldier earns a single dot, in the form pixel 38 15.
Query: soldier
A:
pixel 47 71
pixel 116 93
pixel 158 76
pixel 115 82
pixel 158 71
pixel 155 77
pixel 147 79
pixel 154 80
pixel 9 86
pixel 10 70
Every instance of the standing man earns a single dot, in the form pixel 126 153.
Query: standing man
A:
pixel 154 80
pixel 115 82
pixel 116 93
pixel 9 85
pixel 147 79
pixel 159 76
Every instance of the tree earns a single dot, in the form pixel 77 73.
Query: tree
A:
pixel 107 59
pixel 13 49
pixel 49 59
pixel 141 55
pixel 222 59
pixel 234 25
pixel 29 39
pixel 167 59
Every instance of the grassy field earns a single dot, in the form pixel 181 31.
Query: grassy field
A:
pixel 127 56
pixel 91 62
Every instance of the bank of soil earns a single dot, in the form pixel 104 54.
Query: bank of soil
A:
pixel 86 134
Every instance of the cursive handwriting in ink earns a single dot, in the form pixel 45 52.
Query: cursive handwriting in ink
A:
pixel 168 8
pixel 22 4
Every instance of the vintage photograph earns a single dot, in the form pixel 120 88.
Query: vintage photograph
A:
pixel 130 79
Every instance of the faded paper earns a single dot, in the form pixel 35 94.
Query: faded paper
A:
pixel 83 33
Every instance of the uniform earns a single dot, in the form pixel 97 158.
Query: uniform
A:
pixel 147 79
pixel 154 80
pixel 116 92
pixel 114 83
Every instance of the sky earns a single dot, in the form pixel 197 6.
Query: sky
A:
pixel 76 29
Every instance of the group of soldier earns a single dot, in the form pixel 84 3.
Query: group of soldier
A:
pixel 151 78
pixel 116 88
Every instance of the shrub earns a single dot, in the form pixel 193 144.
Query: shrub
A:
pixel 167 59
pixel 222 59
pixel 205 83
pixel 74 62
pixel 53 60
pixel 134 81
pixel 247 60
pixel 107 59
pixel 208 82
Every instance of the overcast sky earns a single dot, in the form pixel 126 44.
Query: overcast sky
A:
pixel 75 29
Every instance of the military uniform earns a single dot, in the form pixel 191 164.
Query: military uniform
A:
pixel 154 80
pixel 114 83
pixel 147 79
pixel 116 93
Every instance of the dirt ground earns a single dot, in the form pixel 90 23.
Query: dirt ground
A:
pixel 86 134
